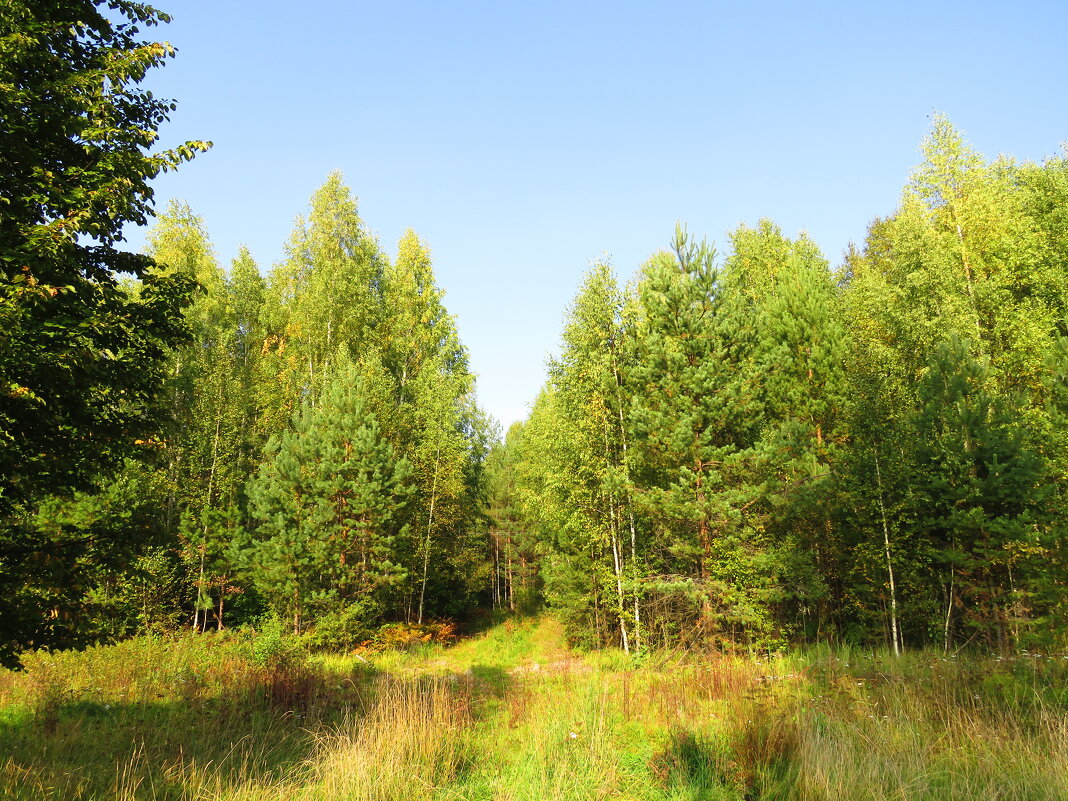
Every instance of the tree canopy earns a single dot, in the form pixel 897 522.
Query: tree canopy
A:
pixel 82 353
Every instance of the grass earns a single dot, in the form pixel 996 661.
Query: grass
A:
pixel 513 714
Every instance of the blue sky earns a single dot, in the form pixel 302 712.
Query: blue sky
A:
pixel 524 140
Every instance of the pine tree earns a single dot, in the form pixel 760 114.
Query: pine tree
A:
pixel 985 495
pixel 330 502
pixel 790 346
pixel 694 412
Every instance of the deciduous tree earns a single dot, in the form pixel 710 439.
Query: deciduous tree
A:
pixel 81 358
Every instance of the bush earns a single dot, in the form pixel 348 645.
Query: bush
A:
pixel 341 631
pixel 405 636
pixel 274 648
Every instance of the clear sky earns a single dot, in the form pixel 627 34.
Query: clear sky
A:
pixel 524 140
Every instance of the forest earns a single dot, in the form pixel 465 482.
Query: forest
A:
pixel 738 453
pixel 753 446
pixel 761 446
pixel 320 459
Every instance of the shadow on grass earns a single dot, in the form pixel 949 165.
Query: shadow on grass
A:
pixel 256 736
pixel 482 620
pixel 690 768
pixel 82 748
pixel 489 680
pixel 754 767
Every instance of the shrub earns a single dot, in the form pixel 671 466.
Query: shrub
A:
pixel 274 648
pixel 341 631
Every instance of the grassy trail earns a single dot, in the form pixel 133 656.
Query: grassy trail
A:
pixel 514 714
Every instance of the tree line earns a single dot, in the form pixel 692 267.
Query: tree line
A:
pixel 758 447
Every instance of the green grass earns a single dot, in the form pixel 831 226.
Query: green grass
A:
pixel 513 714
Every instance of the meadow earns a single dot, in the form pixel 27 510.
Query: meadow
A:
pixel 513 713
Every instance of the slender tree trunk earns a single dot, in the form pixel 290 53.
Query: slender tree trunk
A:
pixel 495 581
pixel 1015 611
pixel 510 577
pixel 895 634
pixel 613 532
pixel 204 531
pixel 429 529
pixel 596 587
pixel 619 578
pixel 703 539
pixel 630 507
pixel 705 543
pixel 222 595
pixel 967 269
pixel 200 624
pixel 949 612
pixel 173 465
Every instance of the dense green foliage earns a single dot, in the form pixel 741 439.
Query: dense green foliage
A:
pixel 329 503
pixel 179 442
pixel 824 483
pixel 82 356
pixel 762 449
pixel 323 452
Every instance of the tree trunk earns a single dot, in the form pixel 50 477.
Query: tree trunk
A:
pixel 198 623
pixel 510 578
pixel 596 587
pixel 495 583
pixel 1015 609
pixel 949 612
pixel 613 533
pixel 895 634
pixel 204 531
pixel 630 506
pixel 222 595
pixel 429 529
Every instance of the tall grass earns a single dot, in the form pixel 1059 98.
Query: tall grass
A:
pixel 414 739
pixel 514 715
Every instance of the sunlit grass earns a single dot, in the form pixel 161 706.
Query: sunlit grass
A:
pixel 513 714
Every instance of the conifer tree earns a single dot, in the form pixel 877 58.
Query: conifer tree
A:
pixel 331 502
pixel 791 343
pixel 693 414
pixel 985 496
